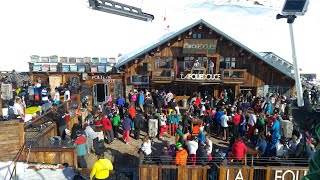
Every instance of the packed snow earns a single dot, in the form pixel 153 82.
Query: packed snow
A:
pixel 32 174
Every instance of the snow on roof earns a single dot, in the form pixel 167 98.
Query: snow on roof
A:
pixel 140 51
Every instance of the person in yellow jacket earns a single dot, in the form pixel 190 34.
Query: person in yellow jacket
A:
pixel 101 168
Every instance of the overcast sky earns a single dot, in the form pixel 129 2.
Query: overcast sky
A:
pixel 70 28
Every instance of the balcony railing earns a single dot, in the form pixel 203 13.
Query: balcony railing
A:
pixel 163 75
pixel 233 74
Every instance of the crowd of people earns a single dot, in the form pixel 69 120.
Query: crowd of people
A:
pixel 35 95
pixel 250 125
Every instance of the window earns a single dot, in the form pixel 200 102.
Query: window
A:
pixel 230 62
pixel 196 36
pixel 135 79
pixel 202 61
pixel 118 87
pixel 188 62
pixel 164 62
pixel 170 62
pixel 157 62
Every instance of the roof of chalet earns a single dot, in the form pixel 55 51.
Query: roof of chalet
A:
pixel 268 57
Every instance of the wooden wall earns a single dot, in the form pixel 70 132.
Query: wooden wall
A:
pixel 259 73
pixel 153 172
pixel 52 155
pixel 43 137
pixel 11 139
pixel 263 173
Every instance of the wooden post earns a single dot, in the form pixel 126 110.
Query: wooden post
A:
pixel 222 173
pixel 268 173
pixel 251 173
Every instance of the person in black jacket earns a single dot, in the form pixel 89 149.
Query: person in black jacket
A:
pixel 137 125
pixel 202 155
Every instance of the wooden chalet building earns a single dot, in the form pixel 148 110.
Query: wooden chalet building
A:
pixel 169 65
pixel 95 76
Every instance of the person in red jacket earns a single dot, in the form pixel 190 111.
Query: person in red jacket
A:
pixel 132 111
pixel 239 150
pixel 107 127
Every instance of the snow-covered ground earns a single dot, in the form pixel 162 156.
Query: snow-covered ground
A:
pixel 31 174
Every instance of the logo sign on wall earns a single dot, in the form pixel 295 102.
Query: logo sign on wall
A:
pixel 199 46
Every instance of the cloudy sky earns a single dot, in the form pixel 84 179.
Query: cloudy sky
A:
pixel 70 28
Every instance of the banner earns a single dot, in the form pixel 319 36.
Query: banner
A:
pixel 199 46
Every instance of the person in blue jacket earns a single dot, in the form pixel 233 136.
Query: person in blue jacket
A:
pixel 174 120
pixel 141 101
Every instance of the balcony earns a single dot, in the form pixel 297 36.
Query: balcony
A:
pixel 163 75
pixel 233 75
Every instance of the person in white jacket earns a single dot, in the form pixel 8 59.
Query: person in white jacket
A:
pixel 146 146
pixel 193 147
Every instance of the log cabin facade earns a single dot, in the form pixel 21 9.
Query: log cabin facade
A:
pixel 169 64
pixel 222 63
pixel 95 76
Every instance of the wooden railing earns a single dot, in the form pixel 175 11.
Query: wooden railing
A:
pixel 164 172
pixel 51 155
pixel 163 75
pixel 233 74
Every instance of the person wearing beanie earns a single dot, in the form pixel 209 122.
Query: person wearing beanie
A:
pixel 81 145
pixel 181 155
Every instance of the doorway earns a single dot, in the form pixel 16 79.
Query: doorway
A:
pixel 100 93
pixel 54 82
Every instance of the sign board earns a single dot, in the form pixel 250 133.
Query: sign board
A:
pixel 53 68
pixel 79 60
pixel 101 68
pixel 63 59
pixel 199 46
pixel 54 59
pixel 87 59
pixel 36 68
pixel 104 78
pixel 201 76
pixel 72 60
pixel 94 69
pixel 95 60
pixel 35 58
pixel 45 67
pixel 73 68
pixel 81 68
pixel 65 68
pixel 45 59
pixel 103 60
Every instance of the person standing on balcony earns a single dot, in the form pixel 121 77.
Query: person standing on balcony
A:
pixel 211 67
